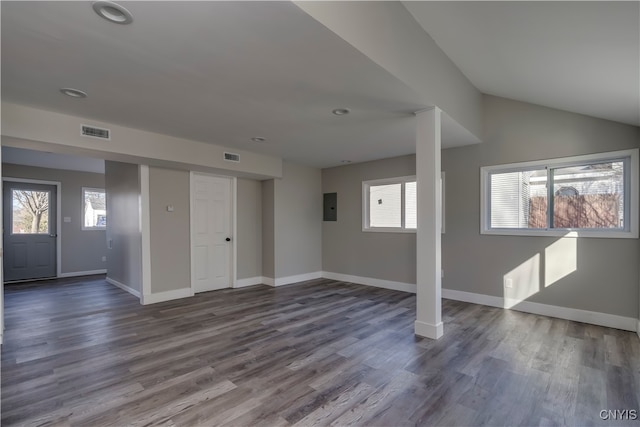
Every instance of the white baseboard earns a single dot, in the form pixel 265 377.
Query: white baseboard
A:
pixel 82 273
pixel 424 329
pixel 370 281
pixel 123 287
pixel 251 281
pixel 428 330
pixel 166 296
pixel 281 281
pixel 577 315
pixel 269 281
pixel 473 298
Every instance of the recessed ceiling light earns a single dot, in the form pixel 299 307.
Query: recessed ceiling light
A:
pixel 73 93
pixel 258 139
pixel 112 12
pixel 341 111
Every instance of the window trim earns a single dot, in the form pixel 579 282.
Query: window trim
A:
pixel 365 204
pixel 630 157
pixel 82 219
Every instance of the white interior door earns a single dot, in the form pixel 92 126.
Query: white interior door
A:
pixel 211 229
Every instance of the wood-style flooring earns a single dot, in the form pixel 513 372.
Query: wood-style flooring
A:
pixel 82 352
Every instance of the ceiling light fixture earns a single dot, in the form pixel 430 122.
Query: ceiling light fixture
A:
pixel 73 93
pixel 258 139
pixel 341 111
pixel 112 12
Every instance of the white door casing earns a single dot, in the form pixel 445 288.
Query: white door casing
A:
pixel 211 232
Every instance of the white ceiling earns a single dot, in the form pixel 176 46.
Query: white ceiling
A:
pixel 223 72
pixel 579 56
pixel 218 72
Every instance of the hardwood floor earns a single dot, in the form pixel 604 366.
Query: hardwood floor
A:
pixel 82 352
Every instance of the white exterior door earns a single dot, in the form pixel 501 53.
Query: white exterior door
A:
pixel 211 229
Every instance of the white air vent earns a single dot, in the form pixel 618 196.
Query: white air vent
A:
pixel 94 132
pixel 232 157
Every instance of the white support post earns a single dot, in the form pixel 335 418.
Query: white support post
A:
pixel 145 230
pixel 429 267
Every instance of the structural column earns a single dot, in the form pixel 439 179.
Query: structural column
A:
pixel 429 268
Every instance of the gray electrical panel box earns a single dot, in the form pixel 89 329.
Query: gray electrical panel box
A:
pixel 330 207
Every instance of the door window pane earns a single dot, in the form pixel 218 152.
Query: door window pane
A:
pixel 30 212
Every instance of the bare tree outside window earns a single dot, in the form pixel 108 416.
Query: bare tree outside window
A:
pixel 30 212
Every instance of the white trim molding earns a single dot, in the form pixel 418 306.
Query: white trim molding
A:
pixel 269 281
pixel 166 296
pixel 427 330
pixel 288 280
pixel 250 281
pixel 82 273
pixel 123 287
pixel 370 281
pixel 574 314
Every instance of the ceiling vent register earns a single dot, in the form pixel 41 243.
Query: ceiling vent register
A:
pixel 94 132
pixel 232 157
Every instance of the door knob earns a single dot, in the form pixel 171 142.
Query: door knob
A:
pixel 53 235
pixel 228 239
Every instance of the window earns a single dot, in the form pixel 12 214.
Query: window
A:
pixel 390 205
pixel 94 209
pixel 594 196
pixel 29 211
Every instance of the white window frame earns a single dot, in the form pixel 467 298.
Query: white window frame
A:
pixel 630 230
pixel 365 205
pixel 84 189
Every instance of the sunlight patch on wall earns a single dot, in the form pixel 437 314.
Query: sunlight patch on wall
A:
pixel 560 260
pixel 524 281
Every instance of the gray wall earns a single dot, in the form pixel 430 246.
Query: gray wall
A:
pixel 81 250
pixel 249 228
pixel 169 231
pixel 124 259
pixel 346 248
pixel 298 218
pixel 268 231
pixel 606 275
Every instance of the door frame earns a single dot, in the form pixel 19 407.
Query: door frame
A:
pixel 58 185
pixel 234 231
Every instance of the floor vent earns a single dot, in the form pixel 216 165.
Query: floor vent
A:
pixel 94 132
pixel 232 157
